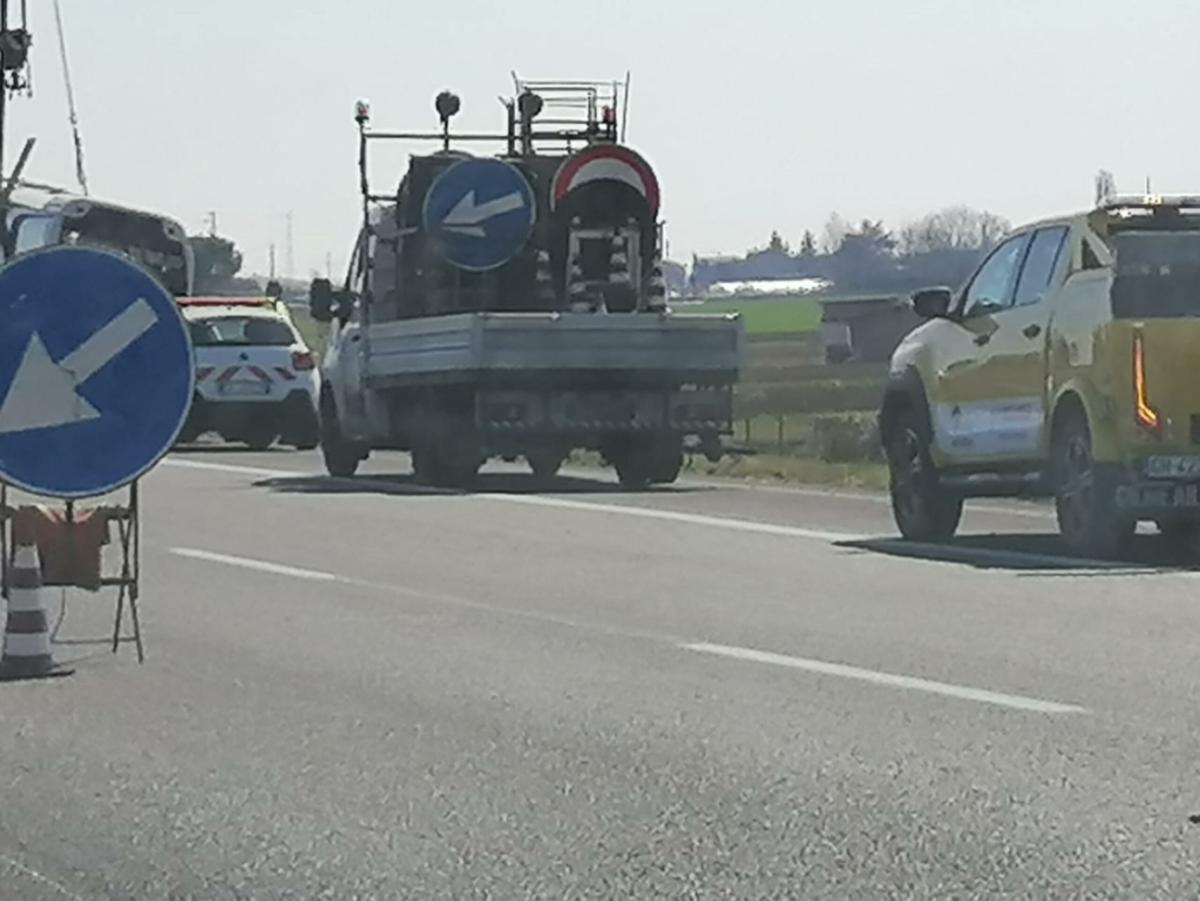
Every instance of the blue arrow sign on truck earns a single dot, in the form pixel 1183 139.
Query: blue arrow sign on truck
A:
pixel 479 213
pixel 96 372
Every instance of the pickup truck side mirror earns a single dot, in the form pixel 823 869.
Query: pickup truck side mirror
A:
pixel 343 305
pixel 932 303
pixel 320 300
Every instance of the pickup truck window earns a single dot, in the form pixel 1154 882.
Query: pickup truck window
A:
pixel 991 288
pixel 1040 265
pixel 1157 274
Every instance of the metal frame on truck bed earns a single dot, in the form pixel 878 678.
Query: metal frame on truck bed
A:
pixel 560 341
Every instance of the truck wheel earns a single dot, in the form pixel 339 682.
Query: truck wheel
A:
pixel 341 457
pixel 667 462
pixel 545 463
pixel 923 510
pixel 633 471
pixel 1083 499
pixel 447 466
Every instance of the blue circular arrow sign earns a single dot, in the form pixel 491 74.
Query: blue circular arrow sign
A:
pixel 96 372
pixel 479 213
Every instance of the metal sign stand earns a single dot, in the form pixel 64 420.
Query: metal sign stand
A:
pixel 127 519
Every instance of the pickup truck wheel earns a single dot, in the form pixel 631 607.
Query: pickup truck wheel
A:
pixel 1083 499
pixel 923 510
pixel 341 457
pixel 1182 536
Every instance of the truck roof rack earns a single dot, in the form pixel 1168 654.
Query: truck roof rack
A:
pixel 577 110
pixel 1148 202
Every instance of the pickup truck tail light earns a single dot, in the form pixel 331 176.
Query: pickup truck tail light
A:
pixel 1144 413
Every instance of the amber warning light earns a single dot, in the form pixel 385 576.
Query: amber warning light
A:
pixel 1143 413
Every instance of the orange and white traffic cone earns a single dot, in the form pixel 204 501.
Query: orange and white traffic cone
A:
pixel 27 652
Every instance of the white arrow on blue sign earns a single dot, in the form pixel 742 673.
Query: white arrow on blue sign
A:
pixel 479 213
pixel 96 372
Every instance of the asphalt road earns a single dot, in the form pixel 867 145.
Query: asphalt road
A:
pixel 365 689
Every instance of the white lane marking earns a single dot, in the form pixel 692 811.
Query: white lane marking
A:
pixel 38 878
pixel 265 566
pixel 695 519
pixel 1016 702
pixel 230 467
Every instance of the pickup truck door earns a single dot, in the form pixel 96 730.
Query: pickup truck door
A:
pixel 1015 358
pixel 969 408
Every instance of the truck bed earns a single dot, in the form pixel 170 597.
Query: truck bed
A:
pixel 700 346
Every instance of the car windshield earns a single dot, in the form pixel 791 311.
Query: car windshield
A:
pixel 1157 274
pixel 241 331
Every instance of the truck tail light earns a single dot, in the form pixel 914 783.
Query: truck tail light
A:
pixel 302 360
pixel 1144 413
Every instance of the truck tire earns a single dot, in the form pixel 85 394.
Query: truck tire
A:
pixel 341 457
pixel 633 471
pixel 922 509
pixel 545 463
pixel 1084 502
pixel 445 466
pixel 667 461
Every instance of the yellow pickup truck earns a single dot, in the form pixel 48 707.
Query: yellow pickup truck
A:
pixel 1066 367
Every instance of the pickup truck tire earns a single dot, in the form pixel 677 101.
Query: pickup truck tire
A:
pixel 1084 499
pixel 922 508
pixel 341 457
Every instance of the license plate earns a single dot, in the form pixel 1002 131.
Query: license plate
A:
pixel 1171 497
pixel 1169 467
pixel 245 388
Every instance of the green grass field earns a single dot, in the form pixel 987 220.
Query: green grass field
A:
pixel 767 315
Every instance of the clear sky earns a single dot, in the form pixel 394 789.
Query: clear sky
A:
pixel 757 115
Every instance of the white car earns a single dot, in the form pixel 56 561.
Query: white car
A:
pixel 256 379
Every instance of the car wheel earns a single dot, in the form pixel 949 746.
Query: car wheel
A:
pixel 261 440
pixel 923 510
pixel 1083 499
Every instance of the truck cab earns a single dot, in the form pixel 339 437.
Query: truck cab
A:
pixel 1062 368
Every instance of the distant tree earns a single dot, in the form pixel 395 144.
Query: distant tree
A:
pixel 217 262
pixel 835 232
pixel 808 244
pixel 777 244
pixel 1106 186
pixel 953 228
pixel 870 239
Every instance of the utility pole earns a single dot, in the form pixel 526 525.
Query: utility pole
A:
pixel 3 79
pixel 291 251
pixel 212 223
pixel 329 265
pixel 272 257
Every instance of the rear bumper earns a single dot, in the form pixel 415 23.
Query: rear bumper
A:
pixel 1159 499
pixel 600 411
pixel 294 415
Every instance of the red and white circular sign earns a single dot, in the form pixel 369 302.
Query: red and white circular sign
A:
pixel 606 162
